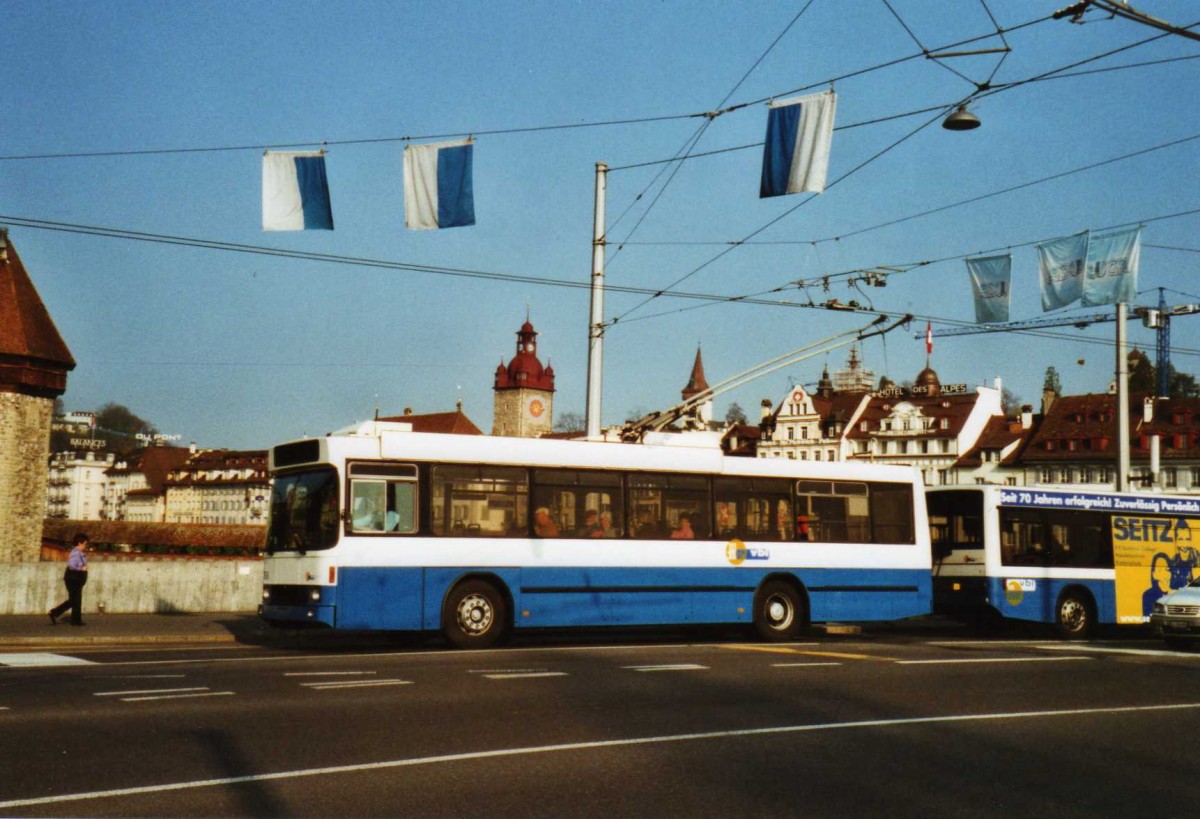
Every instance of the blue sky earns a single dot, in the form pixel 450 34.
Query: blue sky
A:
pixel 243 351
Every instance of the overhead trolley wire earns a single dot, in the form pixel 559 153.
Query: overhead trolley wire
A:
pixel 273 145
pixel 694 140
pixel 1006 86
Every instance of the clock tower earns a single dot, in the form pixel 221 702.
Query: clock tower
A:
pixel 524 391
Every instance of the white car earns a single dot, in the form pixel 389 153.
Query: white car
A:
pixel 1176 617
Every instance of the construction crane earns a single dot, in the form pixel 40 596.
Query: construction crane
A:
pixel 1155 318
pixel 1160 319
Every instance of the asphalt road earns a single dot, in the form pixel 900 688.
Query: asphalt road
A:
pixel 879 724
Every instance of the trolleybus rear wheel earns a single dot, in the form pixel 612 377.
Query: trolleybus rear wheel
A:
pixel 779 612
pixel 474 615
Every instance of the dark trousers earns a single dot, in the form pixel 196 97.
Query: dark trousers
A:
pixel 75 581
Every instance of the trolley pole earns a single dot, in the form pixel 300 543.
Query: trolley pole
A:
pixel 595 372
pixel 1122 404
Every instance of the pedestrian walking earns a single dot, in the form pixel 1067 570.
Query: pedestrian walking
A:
pixel 75 577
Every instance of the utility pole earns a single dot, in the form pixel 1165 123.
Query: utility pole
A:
pixel 596 323
pixel 1122 404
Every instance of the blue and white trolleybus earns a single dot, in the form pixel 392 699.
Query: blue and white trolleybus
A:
pixel 1073 559
pixel 379 527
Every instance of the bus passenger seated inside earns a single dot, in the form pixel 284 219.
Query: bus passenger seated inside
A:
pixel 543 524
pixel 684 531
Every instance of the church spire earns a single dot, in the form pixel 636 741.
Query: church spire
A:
pixel 696 383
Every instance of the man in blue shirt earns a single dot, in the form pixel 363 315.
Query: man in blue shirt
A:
pixel 75 577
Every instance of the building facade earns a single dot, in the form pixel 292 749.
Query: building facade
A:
pixel 219 486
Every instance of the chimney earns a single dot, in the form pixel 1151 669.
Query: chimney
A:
pixel 1026 416
pixel 996 384
pixel 1147 410
pixel 1048 399
pixel 408 410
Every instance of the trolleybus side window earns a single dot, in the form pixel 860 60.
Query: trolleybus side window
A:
pixel 1022 538
pixel 479 501
pixel 834 511
pixel 383 498
pixel 665 507
pixel 753 508
pixel 577 503
pixel 892 513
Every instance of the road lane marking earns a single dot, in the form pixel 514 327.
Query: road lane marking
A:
pixel 524 675
pixel 801 665
pixel 40 659
pixel 326 673
pixel 505 670
pixel 670 667
pixel 332 684
pixel 992 660
pixel 568 747
pixel 147 691
pixel 788 650
pixel 178 696
pixel 1137 652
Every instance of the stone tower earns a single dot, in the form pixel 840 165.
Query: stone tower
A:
pixel 34 362
pixel 524 391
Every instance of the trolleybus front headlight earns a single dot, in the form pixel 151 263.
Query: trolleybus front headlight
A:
pixel 315 595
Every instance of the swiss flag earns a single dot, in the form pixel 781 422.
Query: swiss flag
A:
pixel 928 338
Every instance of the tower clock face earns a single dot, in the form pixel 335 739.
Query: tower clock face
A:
pixel 535 407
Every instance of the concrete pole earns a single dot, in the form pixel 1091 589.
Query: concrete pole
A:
pixel 1122 404
pixel 595 373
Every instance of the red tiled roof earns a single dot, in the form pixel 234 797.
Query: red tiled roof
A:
pixel 1084 428
pixel 157 461
pixel 955 408
pixel 996 436
pixel 33 356
pixel 455 423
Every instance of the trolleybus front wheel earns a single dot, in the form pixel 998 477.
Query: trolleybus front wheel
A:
pixel 474 615
pixel 1073 617
pixel 779 612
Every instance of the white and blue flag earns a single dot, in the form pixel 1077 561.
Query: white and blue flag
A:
pixel 796 153
pixel 1060 266
pixel 991 278
pixel 438 187
pixel 295 191
pixel 1112 267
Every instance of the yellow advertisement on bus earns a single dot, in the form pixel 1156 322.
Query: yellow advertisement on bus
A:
pixel 1152 556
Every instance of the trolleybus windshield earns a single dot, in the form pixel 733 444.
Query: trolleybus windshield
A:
pixel 304 511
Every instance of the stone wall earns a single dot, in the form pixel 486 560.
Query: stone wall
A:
pixel 142 587
pixel 24 470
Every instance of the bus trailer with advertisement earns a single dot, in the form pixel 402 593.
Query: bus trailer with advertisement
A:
pixel 1074 559
pixel 380 528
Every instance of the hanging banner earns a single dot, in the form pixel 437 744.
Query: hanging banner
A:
pixel 439 189
pixel 1112 267
pixel 295 191
pixel 991 278
pixel 1060 265
pixel 796 152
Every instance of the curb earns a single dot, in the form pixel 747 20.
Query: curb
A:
pixel 109 639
